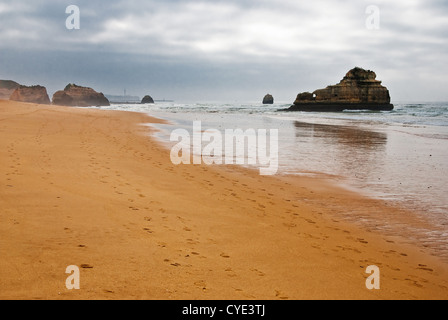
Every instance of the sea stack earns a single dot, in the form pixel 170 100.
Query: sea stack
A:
pixel 33 94
pixel 147 99
pixel 358 90
pixel 78 96
pixel 7 88
pixel 268 99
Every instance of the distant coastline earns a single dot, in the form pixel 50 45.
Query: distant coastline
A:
pixel 137 102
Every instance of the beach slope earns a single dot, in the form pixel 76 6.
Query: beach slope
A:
pixel 90 188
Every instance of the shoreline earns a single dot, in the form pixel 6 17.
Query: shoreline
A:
pixel 147 229
pixel 432 235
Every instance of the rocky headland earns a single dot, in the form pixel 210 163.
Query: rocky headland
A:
pixel 33 94
pixel 74 95
pixel 358 90
pixel 7 88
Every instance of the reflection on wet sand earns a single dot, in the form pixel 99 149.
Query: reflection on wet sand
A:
pixel 341 134
pixel 380 162
pixel 347 150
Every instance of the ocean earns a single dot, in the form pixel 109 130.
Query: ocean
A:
pixel 400 156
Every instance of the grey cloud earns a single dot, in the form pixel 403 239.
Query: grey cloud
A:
pixel 213 49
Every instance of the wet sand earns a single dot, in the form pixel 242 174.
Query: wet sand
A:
pixel 91 188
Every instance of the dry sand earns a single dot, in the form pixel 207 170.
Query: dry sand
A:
pixel 89 188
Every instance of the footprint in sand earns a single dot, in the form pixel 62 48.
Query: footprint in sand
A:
pixel 258 272
pixel 191 241
pixel 201 284
pixel 230 273
pixel 279 295
pixel 424 267
pixel 414 283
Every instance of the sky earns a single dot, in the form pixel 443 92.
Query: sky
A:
pixel 226 50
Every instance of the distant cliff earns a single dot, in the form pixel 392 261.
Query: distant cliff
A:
pixel 33 94
pixel 358 90
pixel 7 88
pixel 78 96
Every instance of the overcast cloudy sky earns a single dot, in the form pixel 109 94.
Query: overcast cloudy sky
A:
pixel 225 50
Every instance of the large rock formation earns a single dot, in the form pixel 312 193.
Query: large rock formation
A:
pixel 147 99
pixel 359 90
pixel 7 88
pixel 268 99
pixel 33 94
pixel 77 96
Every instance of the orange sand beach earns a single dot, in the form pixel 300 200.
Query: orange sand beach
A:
pixel 90 188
